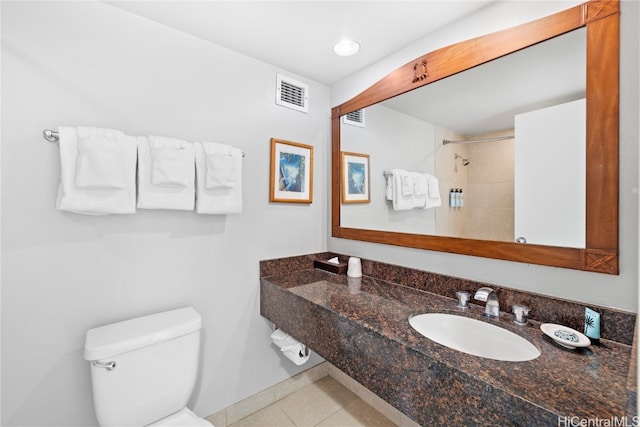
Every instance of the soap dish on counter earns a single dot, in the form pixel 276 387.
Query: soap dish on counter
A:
pixel 565 336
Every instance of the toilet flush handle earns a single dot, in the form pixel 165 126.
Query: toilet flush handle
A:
pixel 107 365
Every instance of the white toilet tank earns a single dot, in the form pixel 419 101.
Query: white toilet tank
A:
pixel 143 369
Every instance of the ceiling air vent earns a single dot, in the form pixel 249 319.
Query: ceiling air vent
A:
pixel 355 118
pixel 292 94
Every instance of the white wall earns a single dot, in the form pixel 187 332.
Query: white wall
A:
pixel 87 63
pixel 388 137
pixel 551 211
pixel 611 291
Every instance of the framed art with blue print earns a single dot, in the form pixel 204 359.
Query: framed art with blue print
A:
pixel 355 177
pixel 291 176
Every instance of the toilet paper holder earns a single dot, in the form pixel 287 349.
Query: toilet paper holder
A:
pixel 287 343
pixel 303 352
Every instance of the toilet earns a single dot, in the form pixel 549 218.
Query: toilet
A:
pixel 143 370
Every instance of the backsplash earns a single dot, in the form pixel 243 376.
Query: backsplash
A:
pixel 616 325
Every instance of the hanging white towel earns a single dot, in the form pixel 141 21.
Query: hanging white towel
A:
pixel 421 186
pixel 433 192
pixel 220 165
pixel 409 190
pixel 388 178
pixel 407 183
pixel 100 158
pixel 87 185
pixel 172 162
pixel 176 175
pixel 401 201
pixel 217 199
pixel 419 194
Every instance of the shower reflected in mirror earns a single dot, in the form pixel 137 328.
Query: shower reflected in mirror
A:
pixel 465 162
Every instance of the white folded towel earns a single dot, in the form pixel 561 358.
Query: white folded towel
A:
pixel 408 190
pixel 175 177
pixel 419 194
pixel 407 183
pixel 215 198
pixel 97 171
pixel 401 201
pixel 421 186
pixel 388 191
pixel 172 162
pixel 220 165
pixel 433 192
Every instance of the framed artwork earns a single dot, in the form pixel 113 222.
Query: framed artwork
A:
pixel 291 177
pixel 355 177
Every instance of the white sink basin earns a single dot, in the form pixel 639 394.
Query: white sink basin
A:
pixel 474 336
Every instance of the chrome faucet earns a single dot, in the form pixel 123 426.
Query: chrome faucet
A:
pixel 521 314
pixel 492 306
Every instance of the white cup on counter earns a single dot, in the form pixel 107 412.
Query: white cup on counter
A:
pixel 354 268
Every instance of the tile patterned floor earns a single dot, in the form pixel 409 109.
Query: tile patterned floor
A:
pixel 325 403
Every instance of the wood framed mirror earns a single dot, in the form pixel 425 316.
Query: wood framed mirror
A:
pixel 600 18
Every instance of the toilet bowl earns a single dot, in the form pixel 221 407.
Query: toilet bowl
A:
pixel 143 370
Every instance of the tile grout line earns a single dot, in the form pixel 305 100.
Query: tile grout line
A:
pixel 285 412
pixel 328 416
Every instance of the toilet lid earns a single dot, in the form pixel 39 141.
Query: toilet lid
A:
pixel 182 418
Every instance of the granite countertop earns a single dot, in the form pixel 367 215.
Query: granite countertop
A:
pixel 588 383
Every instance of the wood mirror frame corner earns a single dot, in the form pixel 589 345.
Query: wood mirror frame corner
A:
pixel 602 21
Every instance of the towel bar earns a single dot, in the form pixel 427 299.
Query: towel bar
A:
pixel 52 136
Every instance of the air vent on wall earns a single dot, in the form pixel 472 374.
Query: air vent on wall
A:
pixel 292 94
pixel 355 118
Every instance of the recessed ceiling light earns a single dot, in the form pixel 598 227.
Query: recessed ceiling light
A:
pixel 346 48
